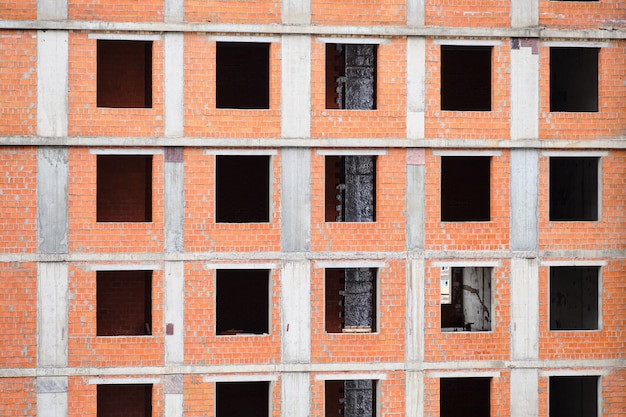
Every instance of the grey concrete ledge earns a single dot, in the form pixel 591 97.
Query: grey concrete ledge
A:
pixel 156 371
pixel 435 143
pixel 312 256
pixel 280 29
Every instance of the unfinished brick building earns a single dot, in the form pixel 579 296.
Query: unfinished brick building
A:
pixel 307 208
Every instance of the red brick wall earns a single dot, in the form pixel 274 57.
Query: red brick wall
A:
pixel 582 14
pixel 18 9
pixel 19 397
pixel 368 12
pixel 233 11
pixel 116 11
pixel 469 13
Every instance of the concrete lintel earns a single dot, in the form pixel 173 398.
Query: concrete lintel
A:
pixel 240 378
pixel 124 37
pixel 256 265
pixel 350 264
pixel 354 41
pixel 468 264
pixel 461 152
pixel 122 381
pixel 576 44
pixel 123 267
pixel 126 151
pixel 574 153
pixel 241 152
pixel 463 374
pixel 574 372
pixel 467 42
pixel 243 38
pixel 351 152
pixel 575 262
pixel 350 376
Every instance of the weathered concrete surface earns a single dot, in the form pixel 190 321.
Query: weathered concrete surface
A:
pixel 52 199
pixel 524 199
pixel 52 315
pixel 295 200
pixel 295 89
pixel 52 83
pixel 295 317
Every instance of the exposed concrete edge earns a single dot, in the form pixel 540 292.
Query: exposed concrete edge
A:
pixel 360 367
pixel 304 29
pixel 277 257
pixel 618 142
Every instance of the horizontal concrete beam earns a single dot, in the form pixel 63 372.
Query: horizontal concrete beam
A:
pixel 307 29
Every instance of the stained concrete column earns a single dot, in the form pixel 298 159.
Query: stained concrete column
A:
pixel 51 9
pixel 414 390
pixel 173 86
pixel 416 86
pixel 295 100
pixel 174 199
pixel 174 11
pixel 524 194
pixel 52 316
pixel 524 392
pixel 524 88
pixel 415 322
pixel 52 199
pixel 173 312
pixel 415 198
pixel 524 309
pixel 295 317
pixel 415 11
pixel 295 195
pixel 52 396
pixel 524 13
pixel 295 388
pixel 52 83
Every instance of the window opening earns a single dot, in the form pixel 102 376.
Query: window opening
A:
pixel 124 74
pixel 124 303
pixel 465 397
pixel 465 188
pixel 351 76
pixel 350 300
pixel 574 297
pixel 124 400
pixel 466 78
pixel 573 396
pixel 242 301
pixel 124 188
pixel 350 188
pixel 242 189
pixel 242 399
pixel 243 75
pixel 574 79
pixel 350 398
pixel 466 299
pixel 574 189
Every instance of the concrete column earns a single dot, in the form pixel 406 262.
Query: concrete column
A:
pixel 174 199
pixel 174 11
pixel 416 86
pixel 173 312
pixel 52 84
pixel 524 393
pixel 415 311
pixel 415 198
pixel 414 390
pixel 295 220
pixel 415 11
pixel 296 12
pixel 52 199
pixel 524 88
pixel 51 9
pixel 295 101
pixel 173 402
pixel 295 388
pixel 524 199
pixel 173 87
pixel 295 315
pixel 524 309
pixel 524 13
pixel 52 396
pixel 52 316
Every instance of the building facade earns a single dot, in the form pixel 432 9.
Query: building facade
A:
pixel 302 208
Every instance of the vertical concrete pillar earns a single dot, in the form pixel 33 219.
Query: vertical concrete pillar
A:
pixel 414 391
pixel 416 86
pixel 295 317
pixel 296 12
pixel 173 312
pixel 295 181
pixel 524 309
pixel 174 11
pixel 174 199
pixel 415 198
pixel 524 13
pixel 173 87
pixel 524 88
pixel 52 199
pixel 415 310
pixel 295 90
pixel 173 403
pixel 51 9
pixel 52 316
pixel 295 388
pixel 524 393
pixel 52 396
pixel 415 11
pixel 524 199
pixel 52 83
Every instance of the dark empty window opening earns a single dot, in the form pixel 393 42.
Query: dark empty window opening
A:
pixel 242 189
pixel 350 300
pixel 466 299
pixel 242 301
pixel 573 396
pixel 243 75
pixel 574 79
pixel 124 303
pixel 574 297
pixel 350 76
pixel 242 399
pixel 350 193
pixel 466 78
pixel 124 400
pixel 465 188
pixel 124 74
pixel 350 398
pixel 124 188
pixel 465 397
pixel 574 189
